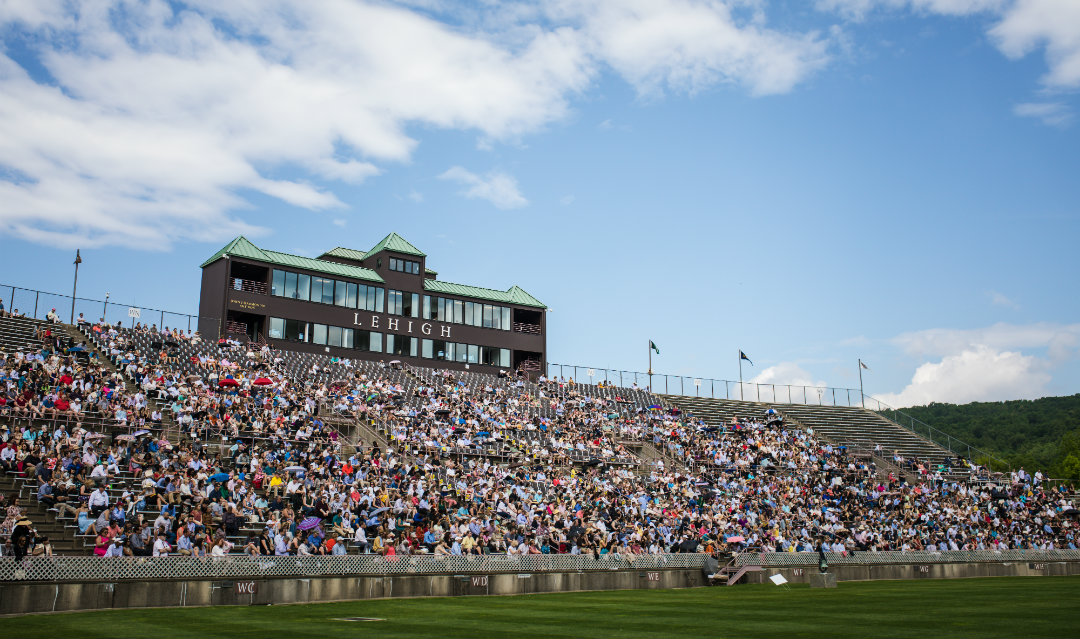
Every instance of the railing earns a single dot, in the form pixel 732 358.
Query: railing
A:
pixel 37 304
pixel 248 286
pixel 521 327
pixel 712 388
pixel 781 559
pixel 128 568
pixel 943 439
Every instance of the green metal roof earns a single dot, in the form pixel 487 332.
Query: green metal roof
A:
pixel 242 247
pixel 513 296
pixel 346 253
pixel 353 254
pixel 396 243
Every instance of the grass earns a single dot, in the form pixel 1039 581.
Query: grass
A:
pixel 996 607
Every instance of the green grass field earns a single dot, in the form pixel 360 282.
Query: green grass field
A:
pixel 998 607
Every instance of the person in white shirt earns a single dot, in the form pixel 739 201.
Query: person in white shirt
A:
pixel 161 547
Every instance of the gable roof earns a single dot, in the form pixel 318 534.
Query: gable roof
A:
pixel 242 247
pixel 515 295
pixel 396 243
pixel 345 253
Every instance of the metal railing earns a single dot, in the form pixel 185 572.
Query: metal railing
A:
pixel 711 388
pixel 521 327
pixel 943 439
pixel 174 567
pixel 782 559
pixel 248 286
pixel 37 304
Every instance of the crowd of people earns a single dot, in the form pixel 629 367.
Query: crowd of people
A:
pixel 194 447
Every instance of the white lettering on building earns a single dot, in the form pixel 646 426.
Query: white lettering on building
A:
pixel 425 328
pixel 374 321
pixel 391 324
pixel 445 331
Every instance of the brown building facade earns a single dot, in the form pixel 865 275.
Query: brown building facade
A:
pixel 378 304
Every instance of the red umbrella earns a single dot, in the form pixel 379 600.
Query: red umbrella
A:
pixel 228 381
pixel 263 381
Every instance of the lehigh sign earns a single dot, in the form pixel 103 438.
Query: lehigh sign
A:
pixel 400 325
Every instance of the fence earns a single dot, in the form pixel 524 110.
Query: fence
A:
pixel 712 388
pixel 128 568
pixel 782 559
pixel 37 305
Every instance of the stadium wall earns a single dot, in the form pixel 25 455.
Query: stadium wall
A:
pixel 20 598
pixel 867 572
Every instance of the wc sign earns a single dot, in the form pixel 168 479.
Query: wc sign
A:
pixel 246 587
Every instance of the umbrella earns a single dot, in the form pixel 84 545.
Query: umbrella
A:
pixel 395 361
pixel 219 476
pixel 140 433
pixel 654 407
pixel 263 381
pixel 193 378
pixel 735 540
pixel 294 469
pixel 378 510
pixel 228 381
pixel 96 436
pixel 164 442
pixel 309 523
pixel 125 438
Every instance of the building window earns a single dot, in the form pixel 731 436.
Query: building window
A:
pixel 403 303
pixel 277 283
pixel 277 326
pixel 341 294
pixel 404 266
pixel 401 345
pixel 318 334
pixel 296 330
pixel 452 311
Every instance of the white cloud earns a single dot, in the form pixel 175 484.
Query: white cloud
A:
pixel 859 9
pixel 567 200
pixel 1050 113
pixel 977 374
pixel 1054 24
pixel 687 45
pixel 340 222
pixel 985 364
pixel 1022 27
pixel 1000 299
pixel 786 373
pixel 947 341
pixel 158 116
pixel 415 196
pixel 496 187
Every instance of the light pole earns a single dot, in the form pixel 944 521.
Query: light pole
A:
pixel 105 311
pixel 75 287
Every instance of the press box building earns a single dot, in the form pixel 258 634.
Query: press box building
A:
pixel 378 304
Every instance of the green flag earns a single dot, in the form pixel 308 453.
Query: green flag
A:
pixel 652 345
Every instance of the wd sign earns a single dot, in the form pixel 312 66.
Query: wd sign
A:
pixel 246 587
pixel 480 581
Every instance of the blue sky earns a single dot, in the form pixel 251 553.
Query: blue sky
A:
pixel 809 182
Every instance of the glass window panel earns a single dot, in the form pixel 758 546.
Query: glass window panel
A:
pixel 505 320
pixel 426 312
pixel 378 300
pixel 459 312
pixel 333 336
pixel 350 295
pixel 303 287
pixel 469 312
pixel 340 297
pixel 413 344
pixel 290 285
pixel 347 338
pixel 415 310
pixel 318 333
pixel 474 354
pixel 277 327
pixel 487 316
pixel 504 357
pixel 277 283
pixel 426 348
pixel 375 341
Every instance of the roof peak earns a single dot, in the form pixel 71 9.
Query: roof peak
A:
pixel 396 243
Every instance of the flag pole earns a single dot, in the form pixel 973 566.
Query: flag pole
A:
pixel 650 365
pixel 740 376
pixel 862 396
